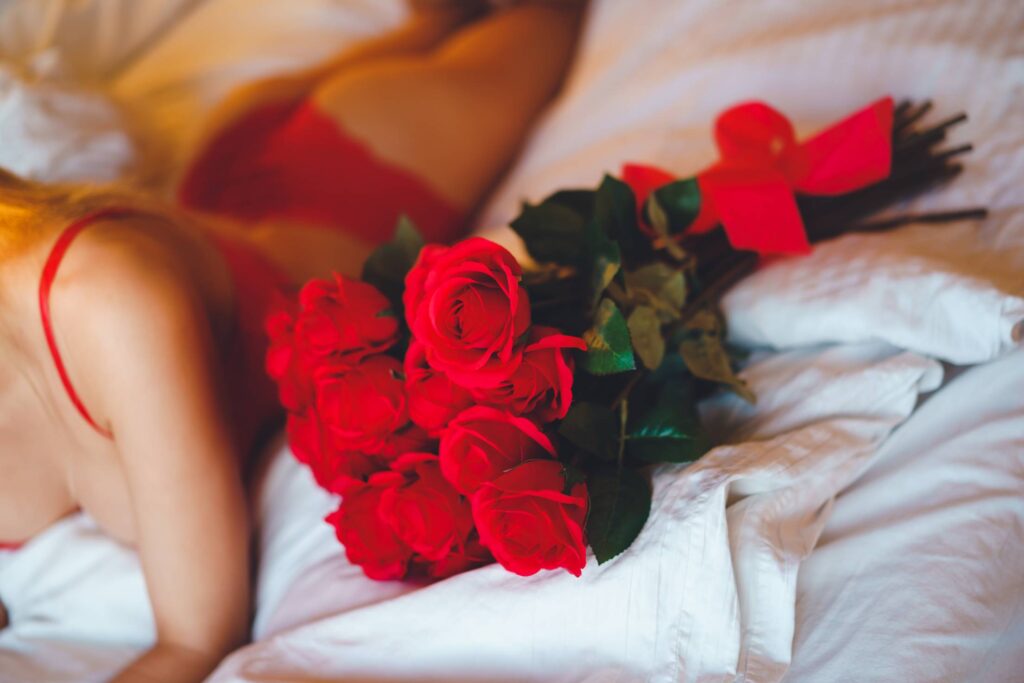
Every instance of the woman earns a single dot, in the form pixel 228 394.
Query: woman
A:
pixel 130 352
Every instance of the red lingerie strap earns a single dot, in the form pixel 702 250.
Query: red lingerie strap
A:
pixel 49 274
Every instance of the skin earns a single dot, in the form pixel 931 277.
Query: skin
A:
pixel 141 307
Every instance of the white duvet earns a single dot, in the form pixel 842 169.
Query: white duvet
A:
pixel 912 502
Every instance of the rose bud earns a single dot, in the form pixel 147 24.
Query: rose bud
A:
pixel 369 541
pixel 333 470
pixel 529 523
pixel 362 407
pixel 541 387
pixel 342 321
pixel 482 443
pixel 425 511
pixel 434 400
pixel 466 306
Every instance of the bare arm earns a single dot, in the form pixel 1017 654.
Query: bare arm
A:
pixel 153 352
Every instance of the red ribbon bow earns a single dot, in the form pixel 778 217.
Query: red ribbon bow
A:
pixel 751 189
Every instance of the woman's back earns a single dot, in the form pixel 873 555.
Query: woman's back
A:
pixel 53 458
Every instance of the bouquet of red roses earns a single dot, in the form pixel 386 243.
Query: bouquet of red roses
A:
pixel 467 411
pixel 433 431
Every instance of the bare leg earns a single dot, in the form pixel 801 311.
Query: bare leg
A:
pixel 456 117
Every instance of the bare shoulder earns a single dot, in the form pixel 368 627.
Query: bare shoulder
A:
pixel 124 300
pixel 117 265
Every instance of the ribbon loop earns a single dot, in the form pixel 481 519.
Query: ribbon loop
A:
pixel 751 189
pixel 754 133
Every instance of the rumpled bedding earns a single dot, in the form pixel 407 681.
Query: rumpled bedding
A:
pixel 864 521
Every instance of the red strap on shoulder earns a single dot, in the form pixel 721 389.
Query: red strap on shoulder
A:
pixel 49 274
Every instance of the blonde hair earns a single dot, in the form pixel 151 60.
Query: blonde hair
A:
pixel 29 210
pixel 26 208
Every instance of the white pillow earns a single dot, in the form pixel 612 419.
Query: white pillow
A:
pixel 934 290
pixel 57 131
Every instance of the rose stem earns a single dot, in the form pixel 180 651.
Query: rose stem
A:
pixel 901 123
pixel 623 394
pixel 738 266
pixel 900 109
pixel 937 217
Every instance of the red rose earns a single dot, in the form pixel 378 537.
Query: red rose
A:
pixel 368 539
pixel 466 306
pixel 362 407
pixel 541 387
pixel 343 321
pixel 410 439
pixel 472 554
pixel 482 443
pixel 333 470
pixel 294 384
pixel 529 523
pixel 426 512
pixel 434 400
pixel 337 322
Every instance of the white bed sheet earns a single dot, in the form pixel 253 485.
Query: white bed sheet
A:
pixel 890 568
pixel 919 573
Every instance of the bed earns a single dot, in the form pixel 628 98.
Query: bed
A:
pixel 863 522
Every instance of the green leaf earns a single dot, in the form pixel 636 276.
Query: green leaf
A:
pixel 661 279
pixel 705 356
pixel 605 261
pixel 615 212
pixel 645 331
pixel 659 221
pixel 660 286
pixel 671 432
pixel 580 201
pixel 679 202
pixel 656 215
pixel 602 258
pixel 609 349
pixel 592 428
pixel 611 235
pixel 620 502
pixel 387 266
pixel 552 232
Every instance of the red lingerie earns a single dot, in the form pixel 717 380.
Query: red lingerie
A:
pixel 292 162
